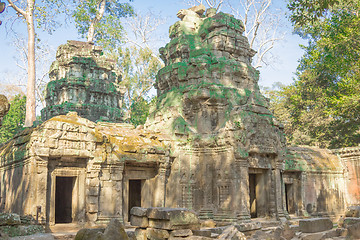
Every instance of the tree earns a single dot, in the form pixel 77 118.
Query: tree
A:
pixel 14 119
pixel 140 67
pixel 43 15
pixel 28 16
pixel 325 100
pixel 139 111
pixel 100 21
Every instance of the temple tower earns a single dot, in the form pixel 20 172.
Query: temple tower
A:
pixel 228 148
pixel 84 81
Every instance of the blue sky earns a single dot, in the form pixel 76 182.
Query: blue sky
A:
pixel 287 52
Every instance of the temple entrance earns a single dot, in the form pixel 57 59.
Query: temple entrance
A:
pixel 134 195
pixel 252 192
pixel 63 199
pixel 289 198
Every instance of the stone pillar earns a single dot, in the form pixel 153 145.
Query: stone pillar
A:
pixel 303 211
pixel 279 193
pixel 42 208
pixel 116 173
pixel 92 193
pixel 207 211
pixel 243 194
pixel 160 194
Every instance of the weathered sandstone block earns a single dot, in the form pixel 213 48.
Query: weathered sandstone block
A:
pixel 313 225
pixel 353 211
pixel 157 234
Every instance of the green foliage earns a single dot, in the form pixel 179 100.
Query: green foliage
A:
pixel 322 107
pixel 139 67
pixel 14 119
pixel 139 112
pixel 108 31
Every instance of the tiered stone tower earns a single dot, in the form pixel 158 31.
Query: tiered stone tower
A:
pixel 228 149
pixel 84 81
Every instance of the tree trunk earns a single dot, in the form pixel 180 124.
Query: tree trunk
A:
pixel 30 116
pixel 99 15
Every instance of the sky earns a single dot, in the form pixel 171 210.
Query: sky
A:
pixel 286 53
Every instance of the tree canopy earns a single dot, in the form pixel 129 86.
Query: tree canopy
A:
pixel 14 119
pixel 323 104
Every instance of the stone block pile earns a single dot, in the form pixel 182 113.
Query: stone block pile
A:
pixel 12 225
pixel 175 224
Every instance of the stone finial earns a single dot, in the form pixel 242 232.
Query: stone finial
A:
pixel 195 11
pixel 200 9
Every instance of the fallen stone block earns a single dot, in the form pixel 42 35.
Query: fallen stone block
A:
pixel 232 233
pixel 202 232
pixel 171 225
pixel 142 222
pixel 115 231
pixel 314 225
pixel 352 211
pixel 349 221
pixel 330 234
pixel 9 219
pixel 353 231
pixel 89 234
pixel 138 211
pixel 173 218
pixel 157 234
pixel 140 234
pixel 248 226
pixel 181 233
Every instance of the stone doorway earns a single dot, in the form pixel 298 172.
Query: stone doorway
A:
pixel 289 198
pixel 63 199
pixel 135 187
pixel 252 192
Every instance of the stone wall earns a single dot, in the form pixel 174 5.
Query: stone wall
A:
pixel 316 180
pixel 83 80
pixel 351 160
pixel 99 159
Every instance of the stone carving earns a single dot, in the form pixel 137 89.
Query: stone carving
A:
pixel 83 80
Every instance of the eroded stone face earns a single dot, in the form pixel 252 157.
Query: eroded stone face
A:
pixel 83 80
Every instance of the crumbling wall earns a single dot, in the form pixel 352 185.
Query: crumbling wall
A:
pixel 351 160
pixel 98 157
pixel 323 182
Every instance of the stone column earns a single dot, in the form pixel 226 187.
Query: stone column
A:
pixel 243 194
pixel 279 193
pixel 303 211
pixel 42 208
pixel 92 193
pixel 116 173
pixel 160 194
pixel 207 209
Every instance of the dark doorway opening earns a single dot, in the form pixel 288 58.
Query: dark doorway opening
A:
pixel 252 192
pixel 63 199
pixel 289 198
pixel 134 195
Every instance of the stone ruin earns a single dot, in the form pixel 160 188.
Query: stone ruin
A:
pixel 210 143
pixel 224 138
pixel 84 81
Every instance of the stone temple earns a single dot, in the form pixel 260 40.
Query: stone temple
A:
pixel 210 143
